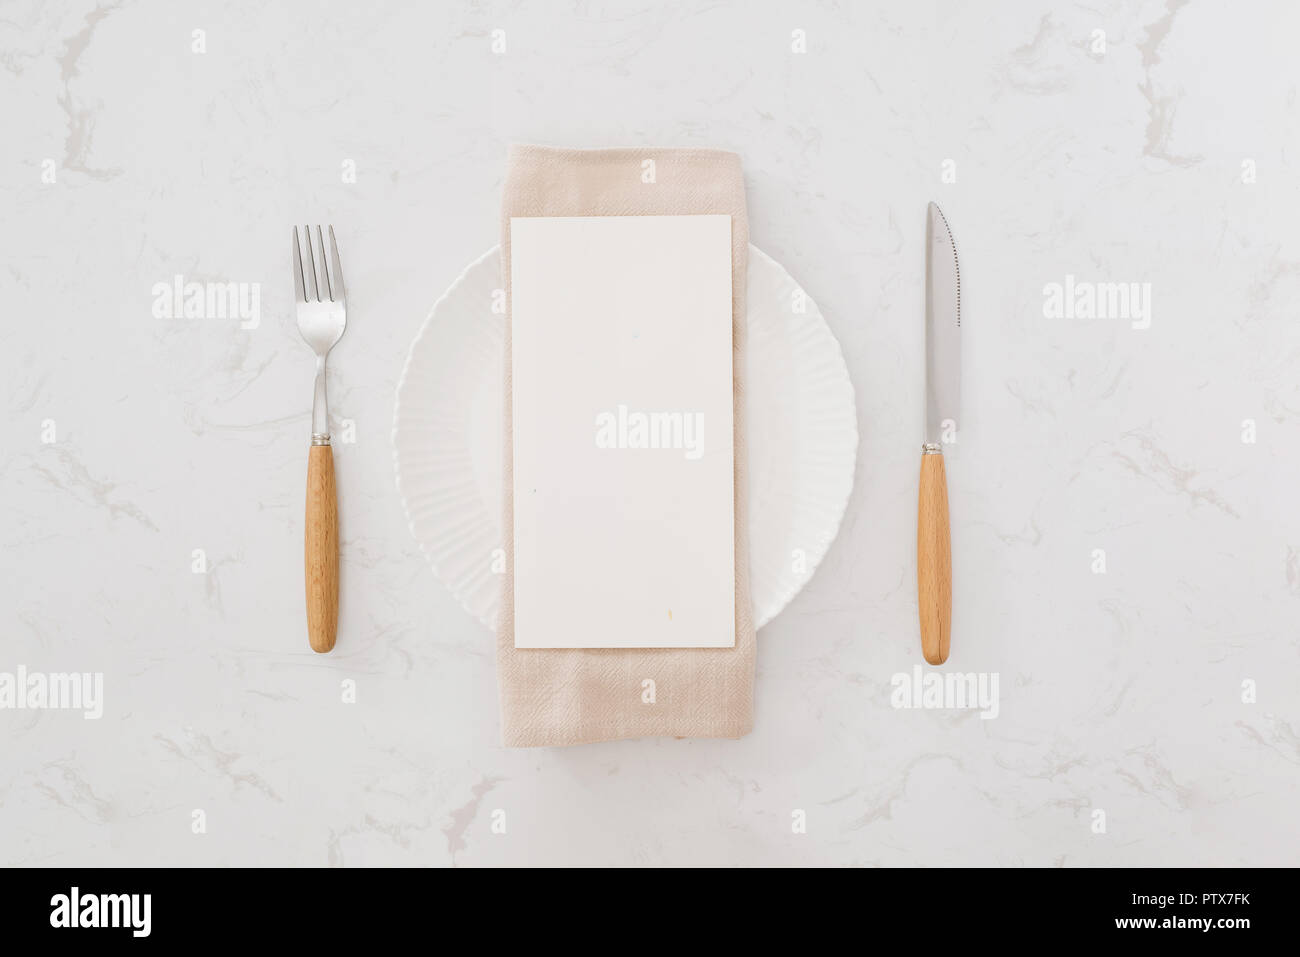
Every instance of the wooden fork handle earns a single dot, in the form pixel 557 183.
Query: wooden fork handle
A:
pixel 933 558
pixel 322 550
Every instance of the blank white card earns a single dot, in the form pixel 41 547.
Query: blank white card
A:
pixel 622 407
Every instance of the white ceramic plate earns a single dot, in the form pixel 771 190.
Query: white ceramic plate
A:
pixel 801 426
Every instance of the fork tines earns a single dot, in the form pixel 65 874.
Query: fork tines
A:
pixel 309 285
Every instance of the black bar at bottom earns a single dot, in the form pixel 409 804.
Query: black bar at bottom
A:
pixel 1227 907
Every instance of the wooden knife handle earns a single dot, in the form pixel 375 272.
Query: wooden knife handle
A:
pixel 933 558
pixel 322 550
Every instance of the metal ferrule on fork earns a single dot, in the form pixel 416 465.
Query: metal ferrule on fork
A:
pixel 320 413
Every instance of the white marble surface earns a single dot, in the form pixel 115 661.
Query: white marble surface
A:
pixel 1120 692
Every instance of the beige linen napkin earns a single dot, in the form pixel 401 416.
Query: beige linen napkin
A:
pixel 579 695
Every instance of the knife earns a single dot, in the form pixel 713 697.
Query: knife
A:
pixel 942 405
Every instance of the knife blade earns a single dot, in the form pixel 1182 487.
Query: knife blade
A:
pixel 942 407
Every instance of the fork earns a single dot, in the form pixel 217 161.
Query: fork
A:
pixel 322 315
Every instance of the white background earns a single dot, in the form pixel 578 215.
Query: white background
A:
pixel 1121 691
